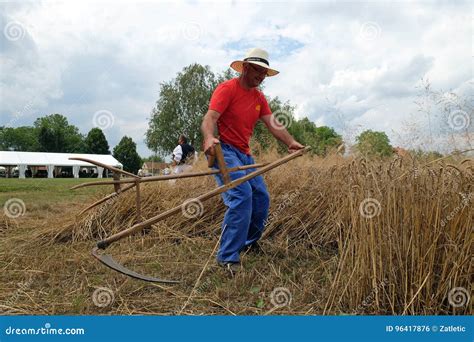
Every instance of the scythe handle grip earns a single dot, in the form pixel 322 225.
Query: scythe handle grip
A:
pixel 210 160
pixel 102 244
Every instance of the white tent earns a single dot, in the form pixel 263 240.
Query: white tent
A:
pixel 24 159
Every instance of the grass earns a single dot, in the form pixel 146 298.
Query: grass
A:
pixel 321 255
pixel 44 193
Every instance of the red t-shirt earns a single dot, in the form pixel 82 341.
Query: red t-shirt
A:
pixel 240 109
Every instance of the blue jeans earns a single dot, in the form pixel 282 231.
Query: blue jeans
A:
pixel 247 207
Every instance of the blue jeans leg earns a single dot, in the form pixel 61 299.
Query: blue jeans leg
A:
pixel 239 210
pixel 260 206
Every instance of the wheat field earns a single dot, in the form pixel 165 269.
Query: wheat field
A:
pixel 344 236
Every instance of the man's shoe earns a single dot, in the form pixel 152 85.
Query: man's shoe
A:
pixel 231 267
pixel 254 248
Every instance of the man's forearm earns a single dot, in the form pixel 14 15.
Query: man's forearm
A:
pixel 208 127
pixel 282 134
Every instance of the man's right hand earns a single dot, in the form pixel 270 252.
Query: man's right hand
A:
pixel 208 145
pixel 208 127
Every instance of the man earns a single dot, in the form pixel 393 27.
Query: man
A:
pixel 183 154
pixel 234 109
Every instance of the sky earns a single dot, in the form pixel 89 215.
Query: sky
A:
pixel 351 65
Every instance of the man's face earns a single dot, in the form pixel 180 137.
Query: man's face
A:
pixel 254 74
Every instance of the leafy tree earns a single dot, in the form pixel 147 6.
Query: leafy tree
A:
pixel 55 134
pixel 96 143
pixel 23 138
pixel 126 153
pixel 227 75
pixel 374 144
pixel 51 141
pixel 321 139
pixel 179 110
pixel 325 139
pixel 284 113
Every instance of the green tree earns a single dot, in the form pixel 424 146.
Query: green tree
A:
pixel 374 144
pixel 321 139
pixel 23 138
pixel 55 134
pixel 96 143
pixel 325 139
pixel 284 113
pixel 126 153
pixel 226 75
pixel 180 107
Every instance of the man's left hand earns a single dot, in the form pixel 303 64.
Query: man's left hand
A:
pixel 294 146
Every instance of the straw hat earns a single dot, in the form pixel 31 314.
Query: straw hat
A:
pixel 255 56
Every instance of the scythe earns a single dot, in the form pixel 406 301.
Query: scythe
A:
pixel 135 181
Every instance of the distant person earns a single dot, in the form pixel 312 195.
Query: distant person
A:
pixel 183 156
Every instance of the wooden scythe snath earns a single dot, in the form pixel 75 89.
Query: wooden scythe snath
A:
pixel 135 181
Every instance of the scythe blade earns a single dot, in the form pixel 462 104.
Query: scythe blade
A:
pixel 108 261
